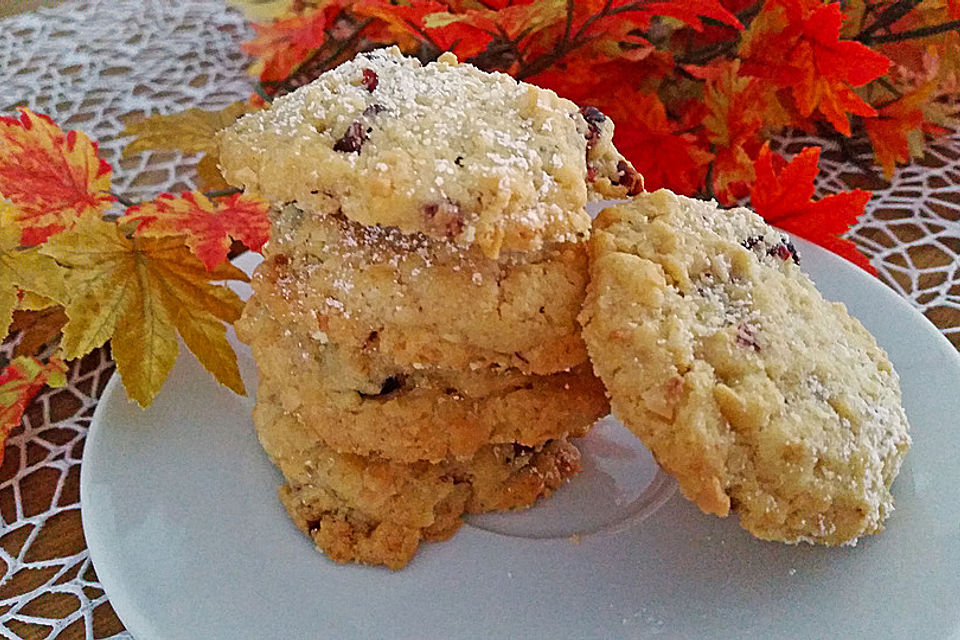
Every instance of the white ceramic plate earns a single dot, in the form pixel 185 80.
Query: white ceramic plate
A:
pixel 182 521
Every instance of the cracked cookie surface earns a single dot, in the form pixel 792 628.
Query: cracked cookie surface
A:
pixel 443 149
pixel 753 391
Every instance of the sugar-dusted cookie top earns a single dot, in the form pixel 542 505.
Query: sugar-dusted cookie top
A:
pixel 757 394
pixel 443 149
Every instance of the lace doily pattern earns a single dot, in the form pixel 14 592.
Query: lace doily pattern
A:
pixel 911 229
pixel 94 66
pixel 99 64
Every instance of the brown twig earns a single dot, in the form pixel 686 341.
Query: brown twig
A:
pixel 888 17
pixel 913 34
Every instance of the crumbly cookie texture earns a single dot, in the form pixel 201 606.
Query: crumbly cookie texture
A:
pixel 753 391
pixel 374 511
pixel 443 149
pixel 425 302
pixel 364 404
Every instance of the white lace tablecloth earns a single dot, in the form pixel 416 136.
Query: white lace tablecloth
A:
pixel 96 65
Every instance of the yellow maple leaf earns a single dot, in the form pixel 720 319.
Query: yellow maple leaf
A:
pixel 139 293
pixel 24 270
pixel 261 10
pixel 190 131
pixel 208 176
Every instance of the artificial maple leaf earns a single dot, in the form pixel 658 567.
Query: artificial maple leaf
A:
pixel 282 45
pixel 897 132
pixel 736 106
pixel 207 225
pixel 24 269
pixel 36 328
pixel 139 293
pixel 260 10
pixel 690 12
pixel 469 32
pixel 50 177
pixel 796 44
pixel 208 176
pixel 190 131
pixel 783 195
pixel 20 381
pixel 660 151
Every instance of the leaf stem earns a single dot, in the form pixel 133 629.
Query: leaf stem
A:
pixel 220 193
pixel 912 34
pixel 124 201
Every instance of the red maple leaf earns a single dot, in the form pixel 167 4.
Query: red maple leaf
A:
pixel 663 154
pixel 796 44
pixel 52 178
pixel 208 226
pixel 783 195
pixel 20 381
pixel 663 150
pixel 465 32
pixel 690 12
pixel 282 45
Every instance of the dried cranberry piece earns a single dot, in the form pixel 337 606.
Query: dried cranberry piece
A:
pixel 352 140
pixel 785 251
pixel 751 242
pixel 593 115
pixel 445 217
pixel 370 80
pixel 388 386
pixel 373 110
pixel 746 337
pixel 628 177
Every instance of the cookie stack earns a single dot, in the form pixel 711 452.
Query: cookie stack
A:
pixel 414 319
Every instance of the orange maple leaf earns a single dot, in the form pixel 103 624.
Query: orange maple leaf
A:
pixel 897 133
pixel 796 44
pixel 52 178
pixel 465 33
pixel 20 381
pixel 208 226
pixel 783 195
pixel 282 45
pixel 736 105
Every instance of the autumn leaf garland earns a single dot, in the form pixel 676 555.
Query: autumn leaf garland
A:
pixel 706 82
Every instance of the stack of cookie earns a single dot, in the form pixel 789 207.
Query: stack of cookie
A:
pixel 414 319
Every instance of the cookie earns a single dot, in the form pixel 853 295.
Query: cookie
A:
pixel 443 149
pixel 758 395
pixel 374 511
pixel 363 404
pixel 422 301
